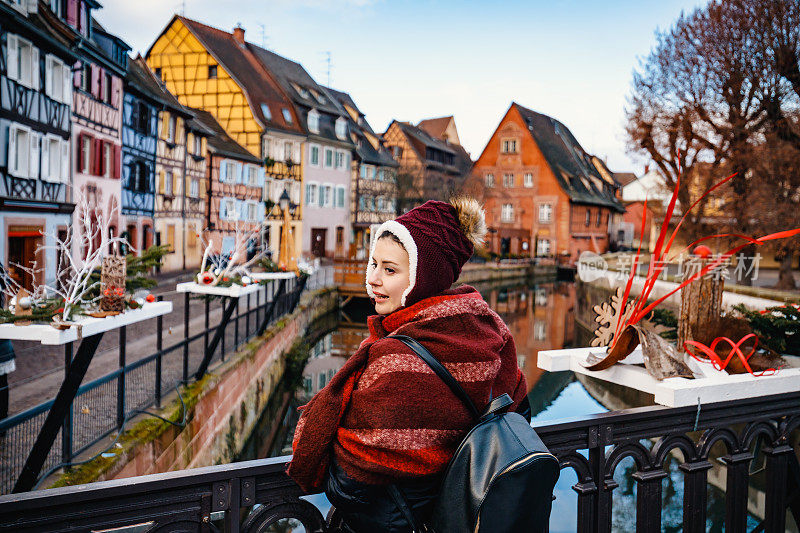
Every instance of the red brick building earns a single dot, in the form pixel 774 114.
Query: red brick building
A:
pixel 543 194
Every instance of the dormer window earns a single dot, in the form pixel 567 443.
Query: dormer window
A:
pixel 301 91
pixel 313 121
pixel 212 72
pixel 266 112
pixel 286 115
pixel 321 99
pixel 341 128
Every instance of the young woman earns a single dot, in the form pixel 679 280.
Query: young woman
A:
pixel 385 418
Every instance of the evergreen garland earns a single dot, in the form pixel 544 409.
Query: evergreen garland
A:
pixel 776 327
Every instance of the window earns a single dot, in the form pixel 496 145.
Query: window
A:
pixel 527 180
pixel 311 193
pixel 141 118
pixel 53 162
pixel 86 153
pixel 545 213
pixel 212 72
pixel 22 61
pixel 367 171
pixel 328 157
pixel 287 151
pixel 107 88
pixel 540 330
pixel 509 146
pixel 508 180
pixel 397 152
pixel 168 184
pixel 379 203
pixel 490 180
pixel 158 73
pixel 229 171
pixel 252 211
pixel 198 145
pixel 108 159
pixel 507 213
pixel 339 159
pixel 314 155
pixel 194 188
pixel 266 112
pixel 227 209
pixel 19 150
pixel 341 128
pixel 301 91
pixel 86 76
pixel 599 218
pixel 57 80
pixel 543 247
pixel 286 115
pixel 326 196
pixel 340 197
pixel 171 129
pixel 588 217
pixel 313 121
pixel 252 175
pixel 321 99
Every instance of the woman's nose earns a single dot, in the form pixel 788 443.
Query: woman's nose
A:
pixel 373 278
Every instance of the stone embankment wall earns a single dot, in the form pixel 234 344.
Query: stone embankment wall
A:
pixel 483 272
pixel 221 409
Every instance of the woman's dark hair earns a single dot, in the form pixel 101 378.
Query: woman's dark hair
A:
pixel 390 235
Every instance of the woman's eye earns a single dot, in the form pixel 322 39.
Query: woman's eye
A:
pixel 390 270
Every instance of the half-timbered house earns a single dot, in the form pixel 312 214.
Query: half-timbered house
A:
pixel 141 103
pixel 97 117
pixel 373 174
pixel 235 180
pixel 219 72
pixel 35 128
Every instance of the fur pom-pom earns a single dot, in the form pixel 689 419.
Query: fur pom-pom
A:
pixel 471 218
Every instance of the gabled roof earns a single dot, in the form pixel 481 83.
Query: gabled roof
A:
pixel 247 71
pixel 569 162
pixel 420 140
pixel 436 127
pixel 219 141
pixel 625 178
pixel 365 151
pixel 141 79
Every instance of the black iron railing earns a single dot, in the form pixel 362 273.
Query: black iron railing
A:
pixel 102 406
pixel 252 495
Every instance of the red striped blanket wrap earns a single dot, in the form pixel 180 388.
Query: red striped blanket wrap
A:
pixel 385 415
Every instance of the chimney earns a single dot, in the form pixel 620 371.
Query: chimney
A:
pixel 238 34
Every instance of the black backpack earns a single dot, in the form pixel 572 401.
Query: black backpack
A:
pixel 501 477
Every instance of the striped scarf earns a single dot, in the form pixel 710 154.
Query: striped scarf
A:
pixel 385 415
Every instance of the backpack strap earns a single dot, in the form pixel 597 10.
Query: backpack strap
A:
pixel 440 371
pixel 402 505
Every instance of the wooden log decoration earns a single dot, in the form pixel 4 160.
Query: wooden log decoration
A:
pixel 112 284
pixel 701 302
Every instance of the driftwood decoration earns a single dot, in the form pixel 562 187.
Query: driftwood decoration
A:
pixel 701 304
pixel 112 284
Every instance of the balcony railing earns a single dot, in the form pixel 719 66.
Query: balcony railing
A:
pixel 250 496
pixel 282 169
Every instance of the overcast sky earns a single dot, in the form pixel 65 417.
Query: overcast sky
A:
pixel 409 60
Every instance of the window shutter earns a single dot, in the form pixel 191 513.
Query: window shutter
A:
pixel 66 79
pixel 115 171
pixel 223 171
pixel 262 178
pixel 97 147
pixel 101 94
pixel 240 173
pixel 176 184
pixel 35 68
pixel 72 13
pixel 12 149
pixel 45 166
pixel 95 88
pixel 12 61
pixel 65 161
pixel 33 167
pixel 161 180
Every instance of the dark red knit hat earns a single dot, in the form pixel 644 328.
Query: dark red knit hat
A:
pixel 439 238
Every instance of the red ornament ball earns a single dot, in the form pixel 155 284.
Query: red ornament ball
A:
pixel 150 298
pixel 207 279
pixel 702 251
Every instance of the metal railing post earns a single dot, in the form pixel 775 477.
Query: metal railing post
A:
pixel 236 325
pixel 123 333
pixel 66 429
pixel 206 323
pixel 185 337
pixel 159 347
pixel 247 320
pixel 224 329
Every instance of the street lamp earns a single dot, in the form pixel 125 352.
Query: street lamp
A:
pixel 286 262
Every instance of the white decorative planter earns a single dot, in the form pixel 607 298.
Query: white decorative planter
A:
pixel 262 276
pixel 234 291
pixel 47 334
pixel 715 386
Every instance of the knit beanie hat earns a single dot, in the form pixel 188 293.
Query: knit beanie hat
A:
pixel 439 238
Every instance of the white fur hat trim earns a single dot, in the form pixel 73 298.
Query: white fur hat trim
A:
pixel 402 233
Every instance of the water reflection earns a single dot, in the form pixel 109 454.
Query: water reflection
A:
pixel 541 316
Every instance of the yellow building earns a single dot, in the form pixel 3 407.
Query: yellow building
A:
pixel 218 72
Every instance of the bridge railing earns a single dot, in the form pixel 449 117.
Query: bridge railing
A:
pixel 103 406
pixel 252 495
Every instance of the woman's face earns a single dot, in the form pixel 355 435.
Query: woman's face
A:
pixel 390 275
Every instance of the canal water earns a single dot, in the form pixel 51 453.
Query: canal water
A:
pixel 541 316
